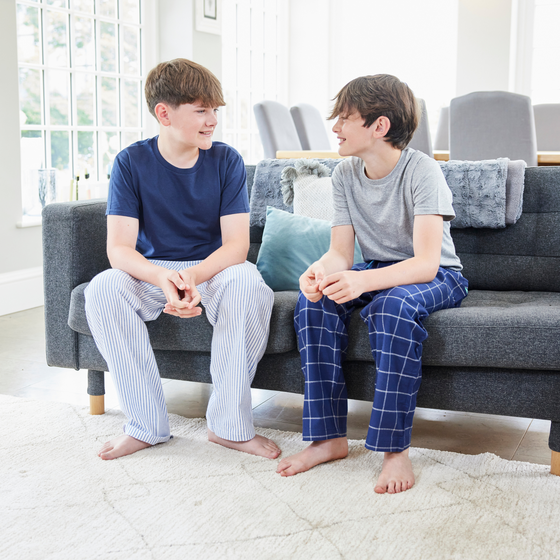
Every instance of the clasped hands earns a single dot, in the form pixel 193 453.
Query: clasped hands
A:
pixel 181 293
pixel 340 287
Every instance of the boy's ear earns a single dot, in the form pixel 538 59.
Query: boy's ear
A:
pixel 381 127
pixel 162 113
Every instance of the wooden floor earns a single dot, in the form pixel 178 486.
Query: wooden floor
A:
pixel 24 373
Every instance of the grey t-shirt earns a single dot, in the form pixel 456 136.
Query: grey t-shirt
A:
pixel 382 211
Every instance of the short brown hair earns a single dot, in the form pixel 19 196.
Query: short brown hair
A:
pixel 381 95
pixel 182 81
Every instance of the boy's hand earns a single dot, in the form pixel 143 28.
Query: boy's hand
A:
pixel 181 294
pixel 309 282
pixel 343 286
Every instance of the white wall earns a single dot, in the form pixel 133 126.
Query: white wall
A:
pixel 20 266
pixel 335 41
pixel 21 248
pixel 483 48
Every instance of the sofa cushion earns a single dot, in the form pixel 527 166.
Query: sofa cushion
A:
pixel 195 334
pixel 518 330
pixel 290 244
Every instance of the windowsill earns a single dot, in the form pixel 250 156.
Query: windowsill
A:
pixel 29 221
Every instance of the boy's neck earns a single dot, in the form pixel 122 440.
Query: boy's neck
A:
pixel 379 163
pixel 178 155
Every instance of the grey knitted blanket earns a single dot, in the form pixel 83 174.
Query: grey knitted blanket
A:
pixel 486 194
pixel 267 188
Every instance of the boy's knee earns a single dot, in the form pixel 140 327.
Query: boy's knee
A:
pixel 106 282
pixel 245 281
pixel 392 302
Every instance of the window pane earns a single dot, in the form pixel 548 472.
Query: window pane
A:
pixel 108 46
pixel 58 88
pixel 60 150
pixel 107 8
pixel 130 11
pixel 85 161
pixel 244 110
pixel 109 102
pixel 131 103
pixel 129 138
pixel 30 96
pixel 83 5
pixel 56 34
pixel 57 3
pixel 83 55
pixel 229 110
pixel 243 145
pixel 108 149
pixel 84 85
pixel 131 50
pixel 32 159
pixel 28 34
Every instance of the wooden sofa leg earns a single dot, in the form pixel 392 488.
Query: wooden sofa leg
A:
pixel 97 404
pixel 555 463
pixel 96 391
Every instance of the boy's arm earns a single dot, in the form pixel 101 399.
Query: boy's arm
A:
pixel 122 234
pixel 422 268
pixel 234 249
pixel 340 256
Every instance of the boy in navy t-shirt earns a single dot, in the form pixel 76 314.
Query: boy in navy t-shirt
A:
pixel 178 235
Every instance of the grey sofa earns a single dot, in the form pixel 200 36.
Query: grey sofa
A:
pixel 499 353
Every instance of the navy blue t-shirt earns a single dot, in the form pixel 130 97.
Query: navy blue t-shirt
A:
pixel 178 210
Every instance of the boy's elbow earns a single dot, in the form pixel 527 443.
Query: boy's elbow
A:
pixel 430 270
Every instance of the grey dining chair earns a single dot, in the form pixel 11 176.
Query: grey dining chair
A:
pixel 310 127
pixel 276 128
pixel 442 133
pixel 422 139
pixel 492 124
pixel 547 125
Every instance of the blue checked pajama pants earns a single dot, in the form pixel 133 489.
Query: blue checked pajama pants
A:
pixel 394 319
pixel 238 304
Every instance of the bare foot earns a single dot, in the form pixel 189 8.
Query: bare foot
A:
pixel 259 445
pixel 121 446
pixel 318 452
pixel 396 474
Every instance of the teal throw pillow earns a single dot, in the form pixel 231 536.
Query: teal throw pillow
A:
pixel 291 243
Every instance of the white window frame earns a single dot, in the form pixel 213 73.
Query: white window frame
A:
pixel 98 175
pixel 276 54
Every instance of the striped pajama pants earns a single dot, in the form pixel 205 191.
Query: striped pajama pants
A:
pixel 394 319
pixel 238 304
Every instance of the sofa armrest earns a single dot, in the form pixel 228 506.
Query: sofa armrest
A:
pixel 74 251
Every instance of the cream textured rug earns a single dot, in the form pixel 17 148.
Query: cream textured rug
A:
pixel 189 499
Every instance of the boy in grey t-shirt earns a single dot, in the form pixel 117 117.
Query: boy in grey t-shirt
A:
pixel 396 202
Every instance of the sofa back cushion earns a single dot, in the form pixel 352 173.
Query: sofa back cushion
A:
pixel 523 256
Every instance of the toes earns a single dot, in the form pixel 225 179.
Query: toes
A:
pixel 105 449
pixel 283 465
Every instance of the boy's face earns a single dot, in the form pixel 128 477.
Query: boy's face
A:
pixel 191 124
pixel 354 139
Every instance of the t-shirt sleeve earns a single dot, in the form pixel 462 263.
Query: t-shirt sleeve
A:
pixel 235 199
pixel 341 214
pixel 431 194
pixel 123 199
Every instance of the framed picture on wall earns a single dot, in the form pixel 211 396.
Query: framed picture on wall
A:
pixel 208 16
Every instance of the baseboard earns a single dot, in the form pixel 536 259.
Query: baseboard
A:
pixel 20 290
